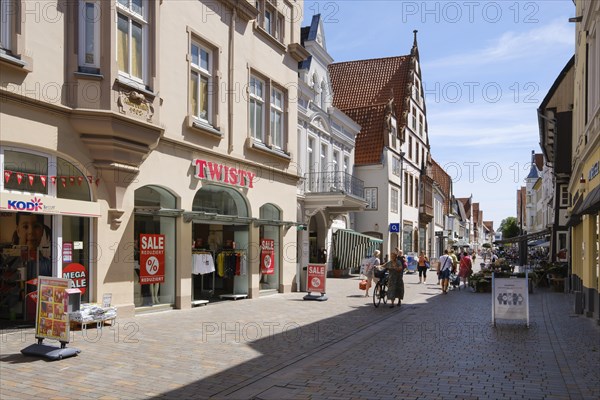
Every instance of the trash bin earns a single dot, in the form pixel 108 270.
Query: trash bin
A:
pixel 303 274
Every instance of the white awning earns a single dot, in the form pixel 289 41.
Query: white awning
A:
pixel 350 247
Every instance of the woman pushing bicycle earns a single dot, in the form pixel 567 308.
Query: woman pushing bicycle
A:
pixel 396 267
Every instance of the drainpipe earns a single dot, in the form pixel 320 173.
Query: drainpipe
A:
pixel 231 93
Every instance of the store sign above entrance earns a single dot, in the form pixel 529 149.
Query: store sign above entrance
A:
pixel 223 173
pixel 48 205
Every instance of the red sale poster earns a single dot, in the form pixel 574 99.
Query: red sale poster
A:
pixel 267 259
pixel 152 258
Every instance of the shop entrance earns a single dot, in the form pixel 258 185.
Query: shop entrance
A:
pixel 28 243
pixel 219 262
pixel 220 234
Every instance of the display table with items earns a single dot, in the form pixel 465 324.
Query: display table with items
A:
pixel 93 313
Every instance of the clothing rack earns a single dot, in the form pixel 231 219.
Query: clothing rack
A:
pixel 234 295
pixel 198 302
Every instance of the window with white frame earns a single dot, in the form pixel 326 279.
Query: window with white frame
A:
pixel 270 19
pixel 132 33
pixel 89 36
pixel 416 189
pixel 394 201
pixel 324 157
pixel 277 130
pixel 371 198
pixel 311 164
pixel 421 125
pixel 410 147
pixel 414 119
pixel 564 196
pixel 257 109
pixel 323 98
pixel 405 186
pixel 7 24
pixel 417 90
pixel 201 81
pixel 395 166
pixel 410 190
pixel 417 152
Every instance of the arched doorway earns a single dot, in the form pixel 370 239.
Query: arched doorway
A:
pixel 220 233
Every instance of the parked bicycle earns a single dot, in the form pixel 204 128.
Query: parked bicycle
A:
pixel 381 288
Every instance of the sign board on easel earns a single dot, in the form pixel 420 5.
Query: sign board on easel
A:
pixel 52 319
pixel 315 281
pixel 510 299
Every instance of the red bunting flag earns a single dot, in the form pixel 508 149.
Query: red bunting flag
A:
pixel 79 180
pixel 72 180
pixel 7 175
pixel 63 180
pixel 90 179
pixel 31 178
pixel 53 179
pixel 19 177
pixel 43 178
pixel 97 181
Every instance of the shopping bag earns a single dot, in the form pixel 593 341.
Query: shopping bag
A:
pixel 362 285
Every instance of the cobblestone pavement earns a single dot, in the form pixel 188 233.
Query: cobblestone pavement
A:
pixel 280 347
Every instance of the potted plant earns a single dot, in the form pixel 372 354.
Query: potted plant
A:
pixel 337 270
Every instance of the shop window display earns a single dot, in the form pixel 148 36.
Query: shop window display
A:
pixel 158 229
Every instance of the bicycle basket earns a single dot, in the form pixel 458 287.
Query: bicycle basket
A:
pixel 380 273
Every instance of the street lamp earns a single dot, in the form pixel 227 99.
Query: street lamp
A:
pixel 402 183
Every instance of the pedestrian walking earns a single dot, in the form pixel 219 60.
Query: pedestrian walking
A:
pixel 465 268
pixel 422 267
pixel 370 270
pixel 395 268
pixel 445 266
pixel 454 260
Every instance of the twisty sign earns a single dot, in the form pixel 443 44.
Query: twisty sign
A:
pixel 223 173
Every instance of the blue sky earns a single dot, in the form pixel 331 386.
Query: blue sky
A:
pixel 486 67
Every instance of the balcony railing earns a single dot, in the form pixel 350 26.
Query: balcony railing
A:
pixel 335 181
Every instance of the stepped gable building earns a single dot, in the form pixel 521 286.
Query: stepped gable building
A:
pixel 385 97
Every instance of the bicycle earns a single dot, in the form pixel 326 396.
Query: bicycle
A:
pixel 381 288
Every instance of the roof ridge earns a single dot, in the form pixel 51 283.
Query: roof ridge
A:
pixel 369 59
pixel 368 106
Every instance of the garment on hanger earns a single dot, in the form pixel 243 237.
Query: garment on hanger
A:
pixel 202 263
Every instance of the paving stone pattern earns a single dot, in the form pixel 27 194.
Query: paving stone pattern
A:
pixel 280 347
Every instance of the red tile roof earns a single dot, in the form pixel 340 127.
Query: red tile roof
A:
pixel 369 145
pixel 466 202
pixel 489 225
pixel 443 179
pixel 362 89
pixel 476 213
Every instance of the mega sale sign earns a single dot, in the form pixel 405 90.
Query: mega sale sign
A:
pixel 152 258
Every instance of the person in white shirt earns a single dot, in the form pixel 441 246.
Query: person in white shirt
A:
pixel 370 270
pixel 444 267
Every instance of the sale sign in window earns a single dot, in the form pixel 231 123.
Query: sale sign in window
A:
pixel 152 258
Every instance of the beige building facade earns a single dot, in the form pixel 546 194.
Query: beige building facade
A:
pixel 584 185
pixel 162 129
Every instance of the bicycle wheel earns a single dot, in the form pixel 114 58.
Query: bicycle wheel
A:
pixel 377 294
pixel 383 292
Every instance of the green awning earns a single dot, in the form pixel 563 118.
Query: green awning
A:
pixel 350 247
